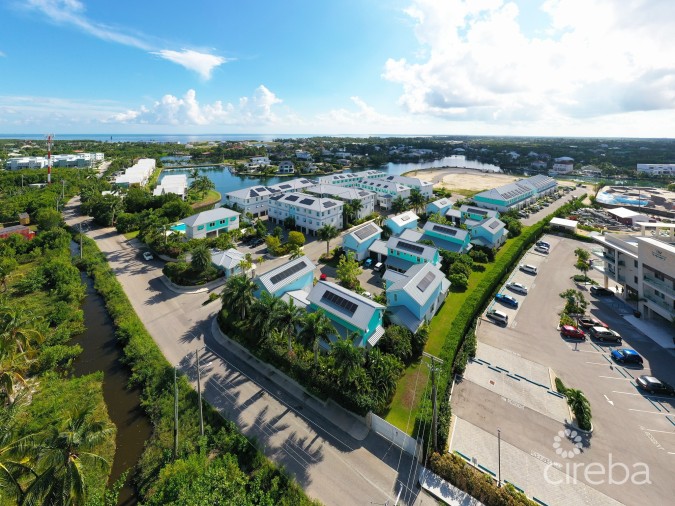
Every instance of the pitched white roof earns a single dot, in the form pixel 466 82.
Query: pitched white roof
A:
pixel 219 213
pixel 307 201
pixel 277 278
pixel 420 282
pixel 228 259
pixel 357 310
pixel 404 218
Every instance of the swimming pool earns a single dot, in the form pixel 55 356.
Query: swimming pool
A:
pixel 179 227
pixel 610 198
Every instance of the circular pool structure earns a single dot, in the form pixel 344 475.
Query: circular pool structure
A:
pixel 614 199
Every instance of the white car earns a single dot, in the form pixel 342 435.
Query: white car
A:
pixel 517 287
pixel 148 256
pixel 368 294
pixel 529 269
pixel 541 249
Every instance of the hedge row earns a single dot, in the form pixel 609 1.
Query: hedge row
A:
pixel 151 372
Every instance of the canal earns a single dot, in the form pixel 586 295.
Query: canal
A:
pixel 101 352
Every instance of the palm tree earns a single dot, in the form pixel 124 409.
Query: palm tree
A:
pixel 238 295
pixel 326 233
pixel 398 205
pixel 356 206
pixel 347 360
pixel 296 251
pixel 416 199
pixel 201 258
pixel 262 321
pixel 286 319
pixel 316 327
pixel 580 406
pixel 384 371
pixel 63 459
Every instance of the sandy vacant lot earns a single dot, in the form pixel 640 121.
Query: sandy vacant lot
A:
pixel 462 179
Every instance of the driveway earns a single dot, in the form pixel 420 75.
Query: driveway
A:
pixel 327 462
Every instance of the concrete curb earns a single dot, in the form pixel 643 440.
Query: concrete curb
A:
pixel 356 427
pixel 192 289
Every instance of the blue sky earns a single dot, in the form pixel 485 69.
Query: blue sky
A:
pixel 493 67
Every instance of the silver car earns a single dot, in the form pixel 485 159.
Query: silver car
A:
pixel 517 287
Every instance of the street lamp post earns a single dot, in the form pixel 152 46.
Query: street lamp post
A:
pixel 499 457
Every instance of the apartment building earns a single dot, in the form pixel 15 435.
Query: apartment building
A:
pixel 255 199
pixel 40 162
pixel 657 169
pixel 367 198
pixel 310 213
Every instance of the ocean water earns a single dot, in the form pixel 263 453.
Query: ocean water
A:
pixel 175 138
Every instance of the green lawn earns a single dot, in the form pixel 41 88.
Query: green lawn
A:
pixel 212 198
pixel 131 235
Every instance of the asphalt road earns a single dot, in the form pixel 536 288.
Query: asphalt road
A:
pixel 330 465
pixel 629 427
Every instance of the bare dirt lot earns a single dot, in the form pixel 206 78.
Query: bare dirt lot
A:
pixel 463 179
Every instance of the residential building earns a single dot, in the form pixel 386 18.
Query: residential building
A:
pixel 350 313
pixel 69 160
pixel 211 223
pixel 360 240
pixel 490 233
pixel 562 165
pixel 252 200
pixel 310 213
pixel 657 169
pixel 346 194
pixel 403 254
pixel 642 266
pixel 297 274
pixel 400 222
pixel 173 183
pixel 303 155
pixel 286 167
pixel 424 187
pixel 347 180
pixel 138 174
pixel 516 195
pixel 292 185
pixel 16 229
pixel 388 189
pixel 261 161
pixel 446 237
pixel 439 206
pixel 228 261
pixel 417 295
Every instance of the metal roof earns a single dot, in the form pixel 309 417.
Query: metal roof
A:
pixel 420 282
pixel 209 216
pixel 344 304
pixel 421 250
pixel 272 283
pixel 228 259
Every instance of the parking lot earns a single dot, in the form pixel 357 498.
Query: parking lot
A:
pixel 630 428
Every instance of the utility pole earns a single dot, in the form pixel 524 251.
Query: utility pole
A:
pixel 499 457
pixel 63 189
pixel 199 391
pixel 175 415
pixel 435 406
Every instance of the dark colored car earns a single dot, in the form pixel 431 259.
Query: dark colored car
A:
pixel 599 291
pixel 604 334
pixel 654 386
pixel 506 299
pixel 587 322
pixel 323 276
pixel 626 356
pixel 572 332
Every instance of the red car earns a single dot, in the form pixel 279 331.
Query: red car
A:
pixel 572 332
pixel 587 322
pixel 323 276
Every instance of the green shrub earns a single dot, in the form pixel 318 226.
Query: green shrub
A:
pixel 458 282
pixel 560 386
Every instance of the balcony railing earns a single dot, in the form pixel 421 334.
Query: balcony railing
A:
pixel 661 285
pixel 661 303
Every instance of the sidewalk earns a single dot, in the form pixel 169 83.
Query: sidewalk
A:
pixel 348 422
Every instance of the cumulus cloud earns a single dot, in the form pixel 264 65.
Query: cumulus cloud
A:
pixel 256 110
pixel 591 58
pixel 363 115
pixel 72 12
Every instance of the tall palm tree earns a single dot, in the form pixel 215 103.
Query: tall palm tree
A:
pixel 326 233
pixel 398 205
pixel 264 311
pixel 296 251
pixel 356 206
pixel 416 199
pixel 286 319
pixel 580 406
pixel 384 371
pixel 316 327
pixel 238 295
pixel 347 360
pixel 64 458
pixel 201 258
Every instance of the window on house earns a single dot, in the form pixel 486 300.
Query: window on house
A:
pixel 212 224
pixel 200 227
pixel 635 279
pixel 395 298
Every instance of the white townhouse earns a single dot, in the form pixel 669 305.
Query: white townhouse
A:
pixel 657 169
pixel 426 188
pixel 254 199
pixel 138 174
pixel 40 162
pixel 562 165
pixel 386 190
pixel 367 198
pixel 173 183
pixel 310 213
pixel 260 160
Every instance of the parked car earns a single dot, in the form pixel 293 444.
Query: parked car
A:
pixel 572 332
pixel 147 256
pixel 498 316
pixel 543 244
pixel 378 266
pixel 323 276
pixel 654 386
pixel 603 334
pixel 541 249
pixel 529 269
pixel 506 299
pixel 600 291
pixel 517 287
pixel 368 294
pixel 587 322
pixel 626 356
pixel 368 262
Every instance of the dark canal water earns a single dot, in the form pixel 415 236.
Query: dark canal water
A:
pixel 102 353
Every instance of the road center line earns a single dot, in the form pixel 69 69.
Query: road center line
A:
pixel 650 412
pixel 661 431
pixel 615 378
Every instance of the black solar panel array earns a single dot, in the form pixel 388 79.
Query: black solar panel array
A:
pixel 292 198
pixel 494 224
pixel 339 301
pixel 329 204
pixel 444 230
pixel 288 272
pixel 405 217
pixel 284 186
pixel 307 202
pixel 473 210
pixel 426 281
pixel 410 247
pixel 366 231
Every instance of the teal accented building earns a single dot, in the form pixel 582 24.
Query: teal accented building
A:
pixel 516 195
pixel 447 237
pixel 210 223
pixel 400 222
pixel 402 254
pixel 295 275
pixel 350 313
pixel 439 206
pixel 360 240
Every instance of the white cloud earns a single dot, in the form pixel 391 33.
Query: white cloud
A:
pixel 595 58
pixel 256 111
pixel 202 63
pixel 2 54
pixel 71 12
pixel 351 120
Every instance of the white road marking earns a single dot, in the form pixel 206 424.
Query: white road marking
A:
pixel 654 397
pixel 662 432
pixel 650 412
pixel 598 363
pixel 611 402
pixel 616 378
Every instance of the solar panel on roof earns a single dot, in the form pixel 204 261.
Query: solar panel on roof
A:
pixel 444 230
pixel 292 198
pixel 284 186
pixel 306 202
pixel 494 224
pixel 329 204
pixel 288 272
pixel 473 210
pixel 252 193
pixel 426 281
pixel 366 231
pixel 304 181
pixel 346 305
pixel 410 247
pixel 260 189
pixel 405 217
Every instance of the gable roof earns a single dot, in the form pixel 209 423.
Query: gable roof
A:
pixel 447 231
pixel 440 203
pixel 209 216
pixel 345 304
pixel 403 219
pixel 341 192
pixel 253 191
pixel 365 232
pixel 492 225
pixel 285 274
pixel 228 259
pixel 410 247
pixel 420 282
pixel 291 185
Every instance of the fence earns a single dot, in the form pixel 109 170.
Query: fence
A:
pixel 394 435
